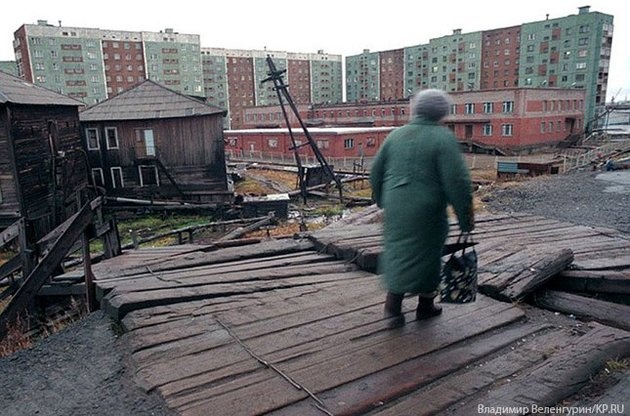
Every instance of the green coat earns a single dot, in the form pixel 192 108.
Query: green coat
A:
pixel 417 172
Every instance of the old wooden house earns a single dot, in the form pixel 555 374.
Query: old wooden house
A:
pixel 43 170
pixel 152 142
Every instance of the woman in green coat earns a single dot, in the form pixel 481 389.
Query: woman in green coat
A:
pixel 418 171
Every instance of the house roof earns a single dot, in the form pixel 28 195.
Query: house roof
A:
pixel 17 91
pixel 148 100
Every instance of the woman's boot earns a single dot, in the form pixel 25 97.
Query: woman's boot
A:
pixel 426 307
pixel 393 310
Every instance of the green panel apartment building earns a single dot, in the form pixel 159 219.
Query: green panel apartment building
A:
pixel 233 79
pixel 567 52
pixel 94 64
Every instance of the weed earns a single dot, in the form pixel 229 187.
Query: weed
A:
pixel 618 364
pixel 16 338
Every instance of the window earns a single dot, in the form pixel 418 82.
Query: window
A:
pixel 322 144
pixel 469 108
pixel 488 107
pixel 487 129
pixel 272 143
pixel 97 177
pixel 371 142
pixel 453 108
pixel 348 143
pixel 117 177
pixel 111 133
pixel 580 65
pixel 92 139
pixel 542 127
pixel 148 175
pixel 508 106
pixel 506 130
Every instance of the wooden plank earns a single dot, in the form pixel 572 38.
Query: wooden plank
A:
pixel 42 271
pixel 225 255
pixel 333 367
pixel 606 312
pixel 117 305
pixel 559 377
pixel 592 281
pixel 519 274
pixel 276 303
pixel 312 263
pixel 11 232
pixel 612 263
pixel 377 390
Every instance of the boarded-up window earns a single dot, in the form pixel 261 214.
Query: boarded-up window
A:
pixel 92 139
pixel 117 177
pixel 148 175
pixel 111 133
pixel 97 177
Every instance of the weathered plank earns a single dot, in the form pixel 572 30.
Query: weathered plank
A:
pixel 118 305
pixel 377 390
pixel 547 383
pixel 592 281
pixel 606 312
pixel 516 276
pixel 343 362
pixel 309 263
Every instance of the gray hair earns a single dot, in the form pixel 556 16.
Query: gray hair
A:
pixel 432 104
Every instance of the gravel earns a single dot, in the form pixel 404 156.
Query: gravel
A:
pixel 79 371
pixel 600 199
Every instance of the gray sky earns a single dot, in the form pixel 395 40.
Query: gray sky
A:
pixel 344 27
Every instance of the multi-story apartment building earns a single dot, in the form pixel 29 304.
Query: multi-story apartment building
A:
pixel 94 64
pixel 233 79
pixel 566 52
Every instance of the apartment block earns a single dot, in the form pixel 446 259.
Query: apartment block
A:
pixel 566 52
pixel 233 79
pixel 94 64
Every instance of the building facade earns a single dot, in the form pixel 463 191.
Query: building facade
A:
pixel 153 142
pixel 508 119
pixel 94 64
pixel 566 52
pixel 43 174
pixel 233 79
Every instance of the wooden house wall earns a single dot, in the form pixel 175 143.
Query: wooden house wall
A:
pixel 9 203
pixel 48 157
pixel 191 148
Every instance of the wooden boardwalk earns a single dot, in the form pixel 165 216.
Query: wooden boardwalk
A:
pixel 294 327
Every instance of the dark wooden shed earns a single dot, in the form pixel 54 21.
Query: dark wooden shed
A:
pixel 42 163
pixel 152 142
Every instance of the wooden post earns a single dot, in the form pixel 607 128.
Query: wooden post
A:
pixel 134 239
pixel 190 236
pixel 90 293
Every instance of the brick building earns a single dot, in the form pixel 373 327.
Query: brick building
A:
pixel 510 119
pixel 334 142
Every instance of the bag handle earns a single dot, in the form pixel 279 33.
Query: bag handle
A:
pixel 463 238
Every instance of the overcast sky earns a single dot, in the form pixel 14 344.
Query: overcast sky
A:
pixel 344 27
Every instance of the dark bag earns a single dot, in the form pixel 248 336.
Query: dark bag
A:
pixel 459 274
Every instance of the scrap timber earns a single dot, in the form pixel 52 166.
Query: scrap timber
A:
pixel 295 326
